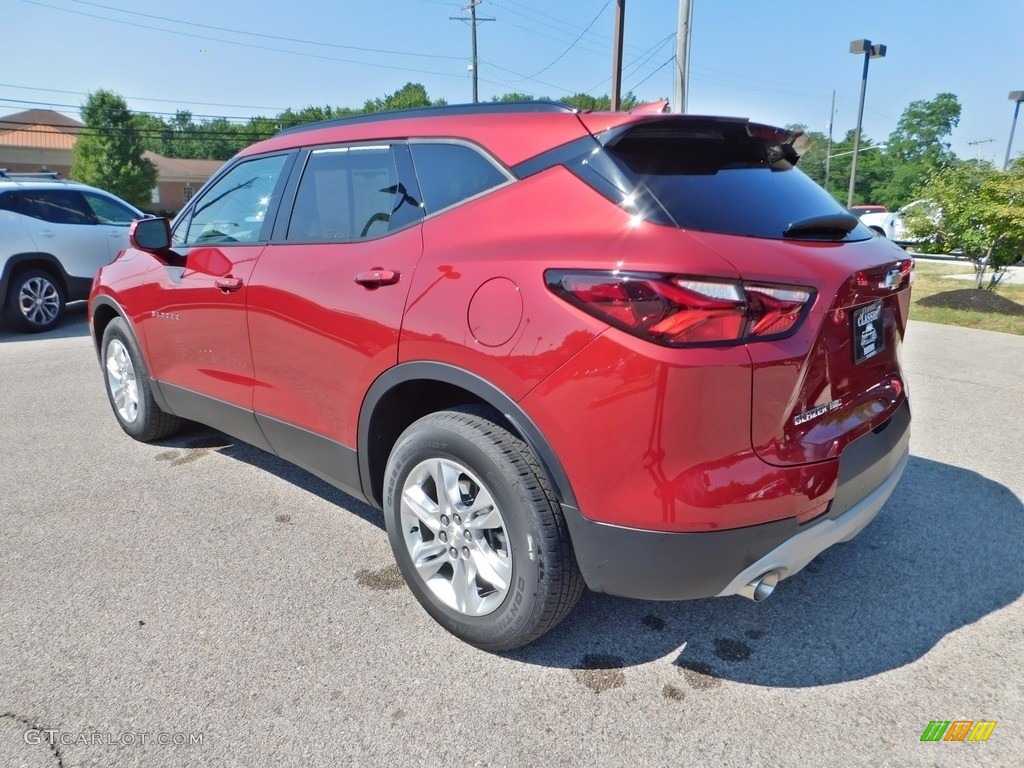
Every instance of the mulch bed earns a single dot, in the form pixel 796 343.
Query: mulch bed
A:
pixel 976 299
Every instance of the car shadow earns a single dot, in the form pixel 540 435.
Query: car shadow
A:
pixel 198 436
pixel 75 323
pixel 943 553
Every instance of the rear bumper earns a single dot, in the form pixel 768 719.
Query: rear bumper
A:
pixel 655 565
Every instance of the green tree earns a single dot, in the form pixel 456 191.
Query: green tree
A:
pixel 290 118
pixel 108 154
pixel 151 130
pixel 516 96
pixel 183 138
pixel 409 96
pixel 977 209
pixel 257 129
pixel 587 103
pixel 872 169
pixel 814 150
pixel 918 147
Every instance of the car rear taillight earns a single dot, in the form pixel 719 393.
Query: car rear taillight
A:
pixel 900 276
pixel 679 311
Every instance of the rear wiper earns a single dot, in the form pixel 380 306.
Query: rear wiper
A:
pixel 833 226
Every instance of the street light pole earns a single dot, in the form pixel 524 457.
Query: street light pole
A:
pixel 1018 97
pixel 870 51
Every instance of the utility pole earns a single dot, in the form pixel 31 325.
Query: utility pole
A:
pixel 978 144
pixel 473 20
pixel 682 79
pixel 828 154
pixel 620 20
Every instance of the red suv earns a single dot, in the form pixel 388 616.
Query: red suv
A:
pixel 633 351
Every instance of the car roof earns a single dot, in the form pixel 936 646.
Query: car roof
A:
pixel 513 132
pixel 41 183
pixel 8 182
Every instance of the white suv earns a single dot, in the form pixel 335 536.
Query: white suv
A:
pixel 54 237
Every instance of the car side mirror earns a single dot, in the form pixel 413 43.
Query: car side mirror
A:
pixel 151 235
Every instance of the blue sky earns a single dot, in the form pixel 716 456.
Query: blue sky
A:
pixel 775 62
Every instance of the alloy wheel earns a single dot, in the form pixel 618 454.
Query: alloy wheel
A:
pixel 39 301
pixel 124 388
pixel 456 537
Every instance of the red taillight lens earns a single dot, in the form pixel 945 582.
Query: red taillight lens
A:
pixel 774 311
pixel 907 272
pixel 680 310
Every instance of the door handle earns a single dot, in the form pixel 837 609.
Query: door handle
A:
pixel 376 277
pixel 228 284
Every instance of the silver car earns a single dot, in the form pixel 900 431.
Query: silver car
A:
pixel 54 237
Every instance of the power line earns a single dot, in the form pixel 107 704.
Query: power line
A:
pixel 169 133
pixel 242 45
pixel 78 108
pixel 265 36
pixel 143 98
pixel 572 45
pixel 547 19
pixel 636 64
pixel 652 74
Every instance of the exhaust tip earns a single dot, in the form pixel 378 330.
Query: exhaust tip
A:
pixel 761 587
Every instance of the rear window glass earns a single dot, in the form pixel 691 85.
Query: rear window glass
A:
pixel 731 184
pixel 56 206
pixel 449 173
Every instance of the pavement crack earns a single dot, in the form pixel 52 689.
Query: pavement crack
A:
pixel 32 726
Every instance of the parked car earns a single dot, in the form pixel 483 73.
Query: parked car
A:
pixel 54 236
pixel 860 210
pixel 638 352
pixel 894 225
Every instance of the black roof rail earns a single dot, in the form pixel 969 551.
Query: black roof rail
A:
pixel 485 108
pixel 5 174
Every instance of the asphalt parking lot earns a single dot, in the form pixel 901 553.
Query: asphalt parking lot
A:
pixel 201 603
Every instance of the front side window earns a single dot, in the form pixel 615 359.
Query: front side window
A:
pixel 449 173
pixel 351 193
pixel 109 211
pixel 233 210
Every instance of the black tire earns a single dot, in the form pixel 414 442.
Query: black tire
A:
pixel 127 383
pixel 35 301
pixel 543 580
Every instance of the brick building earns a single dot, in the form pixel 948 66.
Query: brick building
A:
pixel 44 140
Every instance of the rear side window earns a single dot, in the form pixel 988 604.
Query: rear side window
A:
pixel 56 206
pixel 720 179
pixel 9 202
pixel 449 173
pixel 351 193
